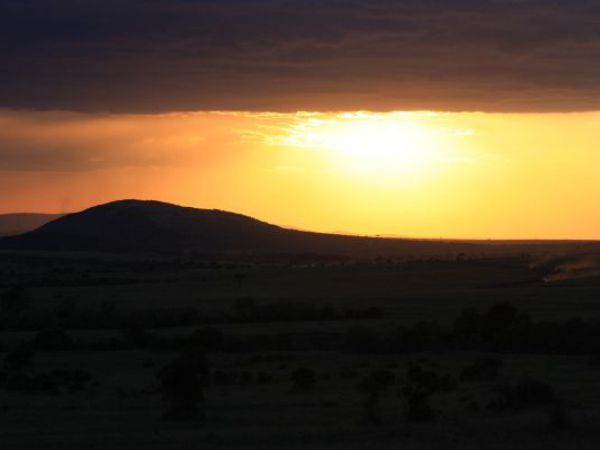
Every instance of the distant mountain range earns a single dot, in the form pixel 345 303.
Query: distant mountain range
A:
pixel 13 224
pixel 140 226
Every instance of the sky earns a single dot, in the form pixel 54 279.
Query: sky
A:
pixel 464 118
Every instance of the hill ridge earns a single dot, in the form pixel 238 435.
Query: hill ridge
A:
pixel 152 226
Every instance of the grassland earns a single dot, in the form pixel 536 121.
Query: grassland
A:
pixel 251 401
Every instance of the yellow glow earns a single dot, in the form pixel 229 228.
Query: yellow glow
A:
pixel 417 174
pixel 380 148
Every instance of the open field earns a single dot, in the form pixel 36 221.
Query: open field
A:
pixel 125 318
pixel 122 410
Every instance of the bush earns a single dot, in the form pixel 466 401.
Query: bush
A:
pixel 483 369
pixel 533 392
pixel 48 382
pixel 138 336
pixel 182 383
pixel 73 380
pixel 220 377
pixel 558 416
pixel 374 385
pixel 207 339
pixel 18 359
pixel 246 378
pixel 525 394
pixel 14 301
pixel 447 383
pixel 420 385
pixel 417 400
pixel 53 339
pixel 364 340
pixel 348 374
pixel 264 378
pixel 304 379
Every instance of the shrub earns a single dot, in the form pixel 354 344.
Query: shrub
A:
pixel 420 385
pixel 14 301
pixel 483 369
pixel 417 400
pixel 348 374
pixel 53 339
pixel 246 378
pixel 374 385
pixel 468 324
pixel 264 378
pixel 74 379
pixel 20 382
pixel 182 383
pixel 526 393
pixel 558 416
pixel 207 339
pixel 366 340
pixel 138 336
pixel 504 400
pixel 18 359
pixel 304 379
pixel 447 383
pixel 533 392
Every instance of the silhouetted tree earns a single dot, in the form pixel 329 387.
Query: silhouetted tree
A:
pixel 53 338
pixel 182 383
pixel 304 379
pixel 207 339
pixel 374 385
pixel 137 335
pixel 18 359
pixel 15 300
pixel 498 318
pixel 420 385
pixel 526 393
pixel 483 369
pixel 467 327
pixel 558 416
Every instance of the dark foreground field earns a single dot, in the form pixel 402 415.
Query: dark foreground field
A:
pixel 479 353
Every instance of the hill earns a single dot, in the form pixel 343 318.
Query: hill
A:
pixel 18 223
pixel 138 226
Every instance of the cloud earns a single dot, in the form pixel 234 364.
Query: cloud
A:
pixel 284 55
pixel 79 142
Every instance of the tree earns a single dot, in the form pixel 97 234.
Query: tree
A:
pixel 18 359
pixel 420 385
pixel 14 301
pixel 182 383
pixel 304 379
pixel 53 338
pixel 374 386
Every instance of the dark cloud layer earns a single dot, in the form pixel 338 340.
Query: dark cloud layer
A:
pixel 164 55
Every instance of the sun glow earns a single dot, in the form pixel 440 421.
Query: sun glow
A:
pixel 375 146
pixel 413 174
pixel 384 148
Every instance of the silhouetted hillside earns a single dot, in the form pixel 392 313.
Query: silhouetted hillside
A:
pixel 13 224
pixel 133 225
pixel 151 226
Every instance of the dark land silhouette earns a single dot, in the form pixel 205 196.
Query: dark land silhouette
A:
pixel 140 324
pixel 146 227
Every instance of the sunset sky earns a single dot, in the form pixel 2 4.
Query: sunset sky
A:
pixel 455 119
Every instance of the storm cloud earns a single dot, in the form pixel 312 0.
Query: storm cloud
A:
pixel 287 55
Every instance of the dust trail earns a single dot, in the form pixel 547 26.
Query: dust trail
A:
pixel 571 268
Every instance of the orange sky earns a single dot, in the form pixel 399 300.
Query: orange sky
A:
pixel 410 174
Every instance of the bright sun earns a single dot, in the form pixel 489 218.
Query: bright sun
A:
pixel 382 147
pixel 371 145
